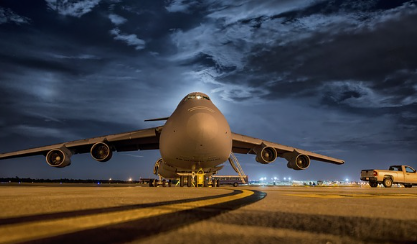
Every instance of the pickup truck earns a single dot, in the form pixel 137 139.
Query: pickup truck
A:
pixel 396 174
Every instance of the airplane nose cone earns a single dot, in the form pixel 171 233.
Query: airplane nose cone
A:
pixel 202 127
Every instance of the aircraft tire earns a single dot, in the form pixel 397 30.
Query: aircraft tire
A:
pixel 189 181
pixel 218 183
pixel 181 181
pixel 235 184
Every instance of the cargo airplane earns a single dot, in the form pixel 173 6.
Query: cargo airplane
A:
pixel 195 138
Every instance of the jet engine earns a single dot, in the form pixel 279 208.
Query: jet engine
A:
pixel 265 154
pixel 59 158
pixel 297 161
pixel 101 152
pixel 163 169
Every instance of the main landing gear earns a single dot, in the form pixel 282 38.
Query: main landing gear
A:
pixel 186 180
pixel 163 183
pixel 198 179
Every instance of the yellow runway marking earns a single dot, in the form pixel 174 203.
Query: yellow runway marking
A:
pixel 355 195
pixel 43 229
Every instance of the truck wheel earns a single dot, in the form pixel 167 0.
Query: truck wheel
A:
pixel 408 186
pixel 373 183
pixel 387 182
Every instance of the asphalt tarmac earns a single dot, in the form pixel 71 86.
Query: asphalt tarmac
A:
pixel 99 214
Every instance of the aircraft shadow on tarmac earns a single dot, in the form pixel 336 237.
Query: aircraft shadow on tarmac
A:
pixel 351 228
pixel 137 229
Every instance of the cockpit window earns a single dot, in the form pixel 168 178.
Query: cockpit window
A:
pixel 198 96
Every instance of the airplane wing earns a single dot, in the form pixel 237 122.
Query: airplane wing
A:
pixel 249 145
pixel 130 141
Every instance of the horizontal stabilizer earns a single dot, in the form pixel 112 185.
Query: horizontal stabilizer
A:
pixel 158 119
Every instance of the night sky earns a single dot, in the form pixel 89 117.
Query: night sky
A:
pixel 333 77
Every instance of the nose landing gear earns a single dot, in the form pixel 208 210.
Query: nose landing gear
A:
pixel 199 179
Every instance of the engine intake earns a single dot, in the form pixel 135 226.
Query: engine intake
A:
pixel 59 158
pixel 101 152
pixel 297 161
pixel 265 154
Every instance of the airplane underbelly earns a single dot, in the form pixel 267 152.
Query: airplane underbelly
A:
pixel 203 141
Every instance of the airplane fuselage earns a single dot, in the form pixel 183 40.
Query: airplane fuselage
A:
pixel 196 135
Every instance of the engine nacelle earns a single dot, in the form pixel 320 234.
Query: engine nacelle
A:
pixel 163 169
pixel 101 152
pixel 297 161
pixel 59 158
pixel 265 154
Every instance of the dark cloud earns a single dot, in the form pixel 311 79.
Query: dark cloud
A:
pixel 8 16
pixel 72 8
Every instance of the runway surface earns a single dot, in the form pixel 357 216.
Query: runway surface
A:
pixel 68 214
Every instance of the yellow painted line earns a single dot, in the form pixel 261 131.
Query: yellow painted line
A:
pixel 43 229
pixel 354 195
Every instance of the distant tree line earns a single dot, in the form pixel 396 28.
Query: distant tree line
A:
pixel 65 180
